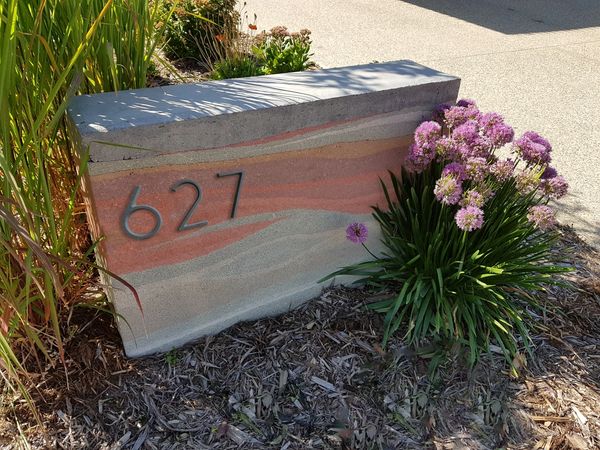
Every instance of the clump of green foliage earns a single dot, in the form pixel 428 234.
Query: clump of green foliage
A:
pixel 453 277
pixel 196 29
pixel 280 51
pixel 277 51
pixel 238 67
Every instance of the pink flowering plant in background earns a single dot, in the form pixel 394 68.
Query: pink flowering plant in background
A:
pixel 467 231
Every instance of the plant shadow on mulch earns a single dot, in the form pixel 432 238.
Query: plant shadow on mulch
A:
pixel 317 377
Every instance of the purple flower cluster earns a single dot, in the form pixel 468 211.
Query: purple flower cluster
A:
pixel 470 134
pixel 469 218
pixel 419 158
pixel 466 103
pixel 423 151
pixel 467 133
pixel 549 172
pixel 495 130
pixel 555 187
pixel 459 114
pixel 503 169
pixel 476 168
pixel 457 170
pixel 448 190
pixel 439 112
pixel 527 180
pixel 465 141
pixel 472 198
pixel 427 134
pixel 553 184
pixel 542 216
pixel 446 149
pixel 533 148
pixel 357 233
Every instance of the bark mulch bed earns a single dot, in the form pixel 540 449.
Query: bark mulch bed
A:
pixel 316 377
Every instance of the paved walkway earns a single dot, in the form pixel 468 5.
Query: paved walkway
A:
pixel 537 62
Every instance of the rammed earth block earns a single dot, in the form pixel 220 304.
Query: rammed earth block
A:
pixel 226 201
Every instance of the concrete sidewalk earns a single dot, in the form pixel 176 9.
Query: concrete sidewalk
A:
pixel 536 62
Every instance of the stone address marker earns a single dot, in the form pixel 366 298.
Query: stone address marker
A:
pixel 228 201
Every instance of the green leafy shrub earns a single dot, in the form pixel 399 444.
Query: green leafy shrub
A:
pixel 195 26
pixel 455 277
pixel 238 67
pixel 281 51
pixel 278 51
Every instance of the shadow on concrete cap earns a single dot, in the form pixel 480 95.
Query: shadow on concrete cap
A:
pixel 113 111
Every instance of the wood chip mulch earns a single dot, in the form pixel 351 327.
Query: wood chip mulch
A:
pixel 317 377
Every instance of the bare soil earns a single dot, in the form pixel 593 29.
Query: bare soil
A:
pixel 317 377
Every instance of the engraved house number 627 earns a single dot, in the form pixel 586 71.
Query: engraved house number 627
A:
pixel 133 207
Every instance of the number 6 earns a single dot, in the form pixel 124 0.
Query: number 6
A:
pixel 132 208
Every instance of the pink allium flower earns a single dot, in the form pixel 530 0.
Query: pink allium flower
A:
pixel 479 148
pixel 457 115
pixel 467 133
pixel 427 134
pixel 419 158
pixel 446 149
pixel 455 169
pixel 556 187
pixel 476 168
pixel 534 137
pixel 466 102
pixel 495 129
pixel 485 191
pixel 527 180
pixel 549 172
pixel 472 198
pixel 469 218
pixel 439 111
pixel 448 190
pixel 465 152
pixel 542 216
pixel 357 233
pixel 533 148
pixel 503 169
pixel 471 142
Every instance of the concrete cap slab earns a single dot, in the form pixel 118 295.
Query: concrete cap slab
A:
pixel 102 117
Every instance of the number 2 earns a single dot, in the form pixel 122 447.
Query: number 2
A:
pixel 184 225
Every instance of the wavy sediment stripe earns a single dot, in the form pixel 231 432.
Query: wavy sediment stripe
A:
pixel 372 128
pixel 180 249
pixel 341 177
pixel 269 271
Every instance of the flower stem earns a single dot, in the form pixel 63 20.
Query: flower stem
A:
pixel 370 253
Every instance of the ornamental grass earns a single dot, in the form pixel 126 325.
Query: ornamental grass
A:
pixel 50 51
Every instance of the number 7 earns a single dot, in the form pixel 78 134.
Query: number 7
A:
pixel 237 190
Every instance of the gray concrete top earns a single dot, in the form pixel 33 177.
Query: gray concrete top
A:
pixel 145 123
pixel 113 111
